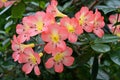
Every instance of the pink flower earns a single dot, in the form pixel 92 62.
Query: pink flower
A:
pixel 54 36
pixel 24 31
pixel 72 27
pixel 114 29
pixel 85 18
pixel 52 8
pixel 98 24
pixel 6 3
pixel 113 18
pixel 18 47
pixel 38 22
pixel 31 61
pixel 59 59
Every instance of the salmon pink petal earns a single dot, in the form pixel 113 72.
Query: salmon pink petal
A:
pixel 53 27
pixel 58 67
pixel 68 61
pixel 28 51
pixel 68 51
pixel 15 47
pixel 15 39
pixel 24 37
pixel 99 32
pixel 46 36
pixel 37 58
pixel 40 15
pixel 1 4
pixel 61 46
pixel 37 70
pixel 8 3
pixel 49 19
pixel 29 20
pixel 49 47
pixel 72 38
pixel 27 68
pixel 63 33
pixel 15 55
pixel 97 14
pixel 79 30
pixel 110 26
pixel 88 28
pixel 33 32
pixel 23 58
pixel 49 63
pixel 113 18
pixel 54 2
pixel 19 29
pixel 83 11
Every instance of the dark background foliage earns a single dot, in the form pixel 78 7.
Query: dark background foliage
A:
pixel 95 59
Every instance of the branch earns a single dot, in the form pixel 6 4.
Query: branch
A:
pixel 93 4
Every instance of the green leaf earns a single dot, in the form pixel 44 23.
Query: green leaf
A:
pixel 18 10
pixel 42 4
pixel 102 48
pixel 115 56
pixel 109 6
pixel 106 9
pixel 8 24
pixel 107 39
pixel 102 75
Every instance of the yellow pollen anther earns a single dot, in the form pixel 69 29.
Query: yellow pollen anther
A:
pixel 41 54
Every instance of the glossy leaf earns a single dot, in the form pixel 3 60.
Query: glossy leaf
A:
pixel 107 38
pixel 115 56
pixel 101 48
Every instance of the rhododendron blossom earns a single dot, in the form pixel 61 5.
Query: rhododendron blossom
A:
pixel 85 18
pixel 72 28
pixel 114 29
pixel 98 23
pixel 24 31
pixel 57 60
pixel 52 8
pixel 31 61
pixel 54 36
pixel 18 47
pixel 113 18
pixel 6 3
pixel 38 22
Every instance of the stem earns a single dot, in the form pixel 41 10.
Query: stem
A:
pixel 93 4
pixel 116 22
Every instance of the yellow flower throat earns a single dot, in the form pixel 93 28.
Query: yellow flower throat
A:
pixel 58 57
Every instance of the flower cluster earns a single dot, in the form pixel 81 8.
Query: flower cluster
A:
pixel 5 3
pixel 55 34
pixel 115 29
